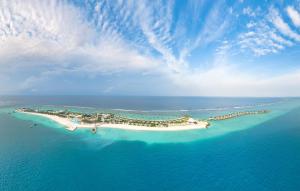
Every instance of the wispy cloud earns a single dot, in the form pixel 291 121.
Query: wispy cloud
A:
pixel 266 33
pixel 55 35
pixel 43 40
pixel 294 15
pixel 226 80
pixel 248 11
pixel 282 26
pixel 262 40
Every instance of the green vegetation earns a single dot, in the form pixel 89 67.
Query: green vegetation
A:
pixel 111 118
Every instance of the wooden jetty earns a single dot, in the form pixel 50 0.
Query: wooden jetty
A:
pixel 236 114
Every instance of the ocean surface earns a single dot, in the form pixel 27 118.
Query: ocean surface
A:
pixel 259 152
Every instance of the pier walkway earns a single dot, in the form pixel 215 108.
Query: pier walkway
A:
pixel 236 114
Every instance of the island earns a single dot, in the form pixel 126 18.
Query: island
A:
pixel 73 120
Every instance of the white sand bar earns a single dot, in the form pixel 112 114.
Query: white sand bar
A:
pixel 70 125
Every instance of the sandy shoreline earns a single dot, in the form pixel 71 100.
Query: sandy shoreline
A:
pixel 73 126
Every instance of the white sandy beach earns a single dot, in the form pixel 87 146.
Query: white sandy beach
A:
pixel 72 126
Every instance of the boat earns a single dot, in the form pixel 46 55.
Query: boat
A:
pixel 94 130
pixel 33 125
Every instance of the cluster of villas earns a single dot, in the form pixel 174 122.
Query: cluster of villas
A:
pixel 110 118
pixel 237 114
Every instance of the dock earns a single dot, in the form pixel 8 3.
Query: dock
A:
pixel 73 128
pixel 236 114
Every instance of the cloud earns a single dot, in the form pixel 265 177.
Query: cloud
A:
pixel 262 41
pixel 227 80
pixel 280 39
pixel 56 36
pixel 248 11
pixel 282 26
pixel 294 15
pixel 266 34
pixel 41 41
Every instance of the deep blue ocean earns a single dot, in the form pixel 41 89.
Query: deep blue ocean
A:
pixel 249 153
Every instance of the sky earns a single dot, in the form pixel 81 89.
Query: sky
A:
pixel 164 48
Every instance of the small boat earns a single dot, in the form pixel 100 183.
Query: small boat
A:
pixel 207 126
pixel 94 130
pixel 33 125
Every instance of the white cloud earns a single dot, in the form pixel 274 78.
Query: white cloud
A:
pixel 294 15
pixel 267 34
pixel 262 40
pixel 155 21
pixel 280 39
pixel 251 24
pixel 282 26
pixel 214 27
pixel 54 35
pixel 248 11
pixel 41 40
pixel 226 80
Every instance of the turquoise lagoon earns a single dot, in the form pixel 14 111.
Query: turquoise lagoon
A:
pixel 259 152
pixel 217 128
